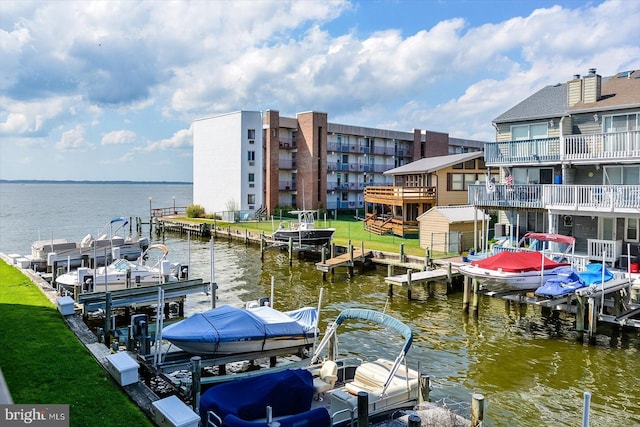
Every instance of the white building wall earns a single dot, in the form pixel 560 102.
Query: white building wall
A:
pixel 220 161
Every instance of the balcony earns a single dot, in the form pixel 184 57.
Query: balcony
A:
pixel 287 185
pixel 399 195
pixel 286 164
pixel 287 142
pixel 588 199
pixel 623 147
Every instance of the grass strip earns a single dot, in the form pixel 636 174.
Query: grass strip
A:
pixel 43 362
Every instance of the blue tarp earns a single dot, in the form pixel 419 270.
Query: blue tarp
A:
pixel 287 392
pixel 227 323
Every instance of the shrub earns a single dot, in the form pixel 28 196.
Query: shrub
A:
pixel 195 211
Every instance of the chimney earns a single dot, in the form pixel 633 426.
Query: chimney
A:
pixel 574 90
pixel 592 87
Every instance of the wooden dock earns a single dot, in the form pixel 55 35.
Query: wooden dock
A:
pixel 349 259
pixel 444 273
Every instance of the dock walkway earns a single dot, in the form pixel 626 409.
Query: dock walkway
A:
pixel 345 260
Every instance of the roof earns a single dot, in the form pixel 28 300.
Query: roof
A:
pixel 432 164
pixel 461 213
pixel 617 91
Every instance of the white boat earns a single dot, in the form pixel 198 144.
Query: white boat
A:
pixel 90 250
pixel 323 393
pixel 523 269
pixel 230 330
pixel 123 274
pixel 304 231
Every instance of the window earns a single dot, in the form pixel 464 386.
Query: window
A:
pixel 251 133
pixel 252 177
pixel 470 164
pixel 461 181
pixel 251 199
pixel 631 229
pixel 531 131
pixel 251 156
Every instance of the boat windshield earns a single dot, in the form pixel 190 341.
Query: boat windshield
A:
pixel 121 265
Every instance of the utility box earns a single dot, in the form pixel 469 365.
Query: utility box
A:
pixel 23 262
pixel 172 412
pixel 66 306
pixel 123 368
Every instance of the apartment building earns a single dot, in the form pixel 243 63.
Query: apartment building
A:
pixel 262 161
pixel 569 162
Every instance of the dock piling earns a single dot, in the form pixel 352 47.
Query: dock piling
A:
pixel 425 388
pixel 196 364
pixel 409 284
pixel 363 409
pixel 465 295
pixel 477 409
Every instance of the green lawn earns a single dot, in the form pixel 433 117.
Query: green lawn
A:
pixel 44 363
pixel 346 229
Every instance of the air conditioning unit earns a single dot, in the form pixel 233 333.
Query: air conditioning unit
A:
pixel 251 141
pixel 252 163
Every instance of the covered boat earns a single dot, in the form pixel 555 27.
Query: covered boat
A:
pixel 230 330
pixel 522 270
pixel 568 280
pixel 326 392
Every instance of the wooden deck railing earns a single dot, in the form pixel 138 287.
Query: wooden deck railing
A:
pixel 398 195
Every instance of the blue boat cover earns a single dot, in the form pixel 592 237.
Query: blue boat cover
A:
pixel 288 392
pixel 565 282
pixel 318 417
pixel 593 274
pixel 227 324
pixel 568 280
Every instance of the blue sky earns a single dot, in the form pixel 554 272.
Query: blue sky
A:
pixel 106 90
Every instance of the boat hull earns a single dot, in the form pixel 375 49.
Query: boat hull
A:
pixel 249 346
pixel 497 281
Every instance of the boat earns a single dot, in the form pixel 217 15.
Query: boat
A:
pixel 508 271
pixel 230 330
pixel 326 392
pixel 92 250
pixel 124 274
pixel 304 231
pixel 569 280
pixel 523 268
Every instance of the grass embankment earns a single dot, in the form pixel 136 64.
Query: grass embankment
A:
pixel 43 362
pixel 346 230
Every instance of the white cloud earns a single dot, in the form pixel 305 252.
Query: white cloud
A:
pixel 73 140
pixel 119 137
pixel 181 139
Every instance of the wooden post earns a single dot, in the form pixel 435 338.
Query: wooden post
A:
pixel 350 259
pixel 449 275
pixel 475 296
pixel 401 252
pixel 290 251
pixel 261 246
pixel 477 409
pixel 107 319
pixel 465 294
pixel 593 319
pixel 196 372
pixel 246 236
pixel 324 261
pixel 425 388
pixel 363 409
pixel 390 270
pixel 409 286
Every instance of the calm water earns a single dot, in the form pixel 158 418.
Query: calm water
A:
pixel 530 368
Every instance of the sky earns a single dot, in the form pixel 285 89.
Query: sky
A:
pixel 107 90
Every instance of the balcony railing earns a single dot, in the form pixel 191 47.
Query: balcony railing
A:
pixel 392 193
pixel 584 198
pixel 286 164
pixel 287 142
pixel 287 185
pixel 618 146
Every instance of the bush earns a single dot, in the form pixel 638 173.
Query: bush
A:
pixel 195 211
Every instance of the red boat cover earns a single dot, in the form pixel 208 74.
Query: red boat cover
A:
pixel 516 262
pixel 550 237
